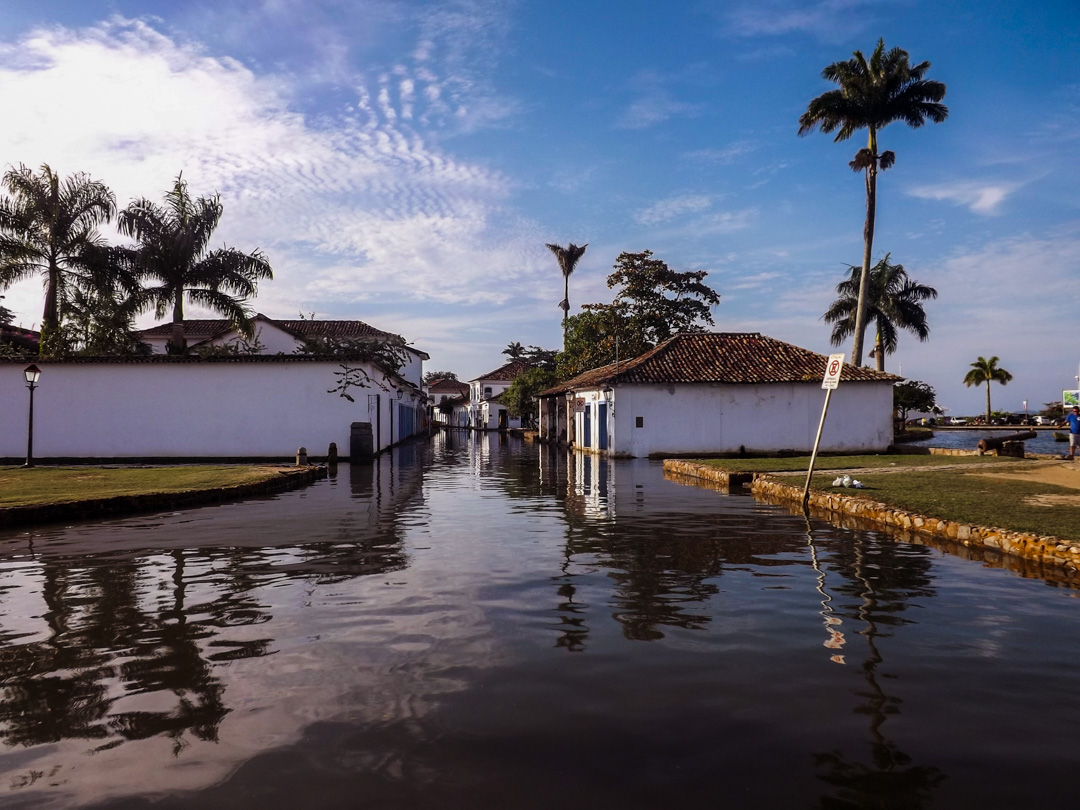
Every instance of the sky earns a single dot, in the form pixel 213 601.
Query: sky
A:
pixel 404 163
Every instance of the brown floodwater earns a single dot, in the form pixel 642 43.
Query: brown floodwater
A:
pixel 479 623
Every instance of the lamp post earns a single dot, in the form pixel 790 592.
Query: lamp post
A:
pixel 32 374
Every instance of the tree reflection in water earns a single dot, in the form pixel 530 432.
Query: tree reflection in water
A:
pixel 130 642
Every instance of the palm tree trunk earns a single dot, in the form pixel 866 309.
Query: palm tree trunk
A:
pixel 177 341
pixel 988 400
pixel 864 278
pixel 879 350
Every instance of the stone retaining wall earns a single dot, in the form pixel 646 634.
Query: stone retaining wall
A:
pixel 287 478
pixel 862 513
pixel 1020 544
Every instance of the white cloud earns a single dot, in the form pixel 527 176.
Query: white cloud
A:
pixel 826 19
pixel 655 103
pixel 672 208
pixel 981 198
pixel 723 156
pixel 361 208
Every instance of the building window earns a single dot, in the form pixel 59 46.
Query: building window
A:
pixel 487 391
pixel 639 421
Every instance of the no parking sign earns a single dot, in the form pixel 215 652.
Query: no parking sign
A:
pixel 832 371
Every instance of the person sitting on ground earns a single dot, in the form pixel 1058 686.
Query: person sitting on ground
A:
pixel 1073 421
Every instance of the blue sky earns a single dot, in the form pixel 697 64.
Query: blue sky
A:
pixel 404 162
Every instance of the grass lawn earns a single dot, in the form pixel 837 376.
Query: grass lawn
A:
pixel 46 485
pixel 980 500
pixel 981 497
pixel 797 463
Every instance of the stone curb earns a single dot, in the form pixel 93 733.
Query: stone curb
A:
pixel 285 479
pixel 1040 548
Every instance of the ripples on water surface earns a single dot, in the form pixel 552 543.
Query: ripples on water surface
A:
pixel 467 624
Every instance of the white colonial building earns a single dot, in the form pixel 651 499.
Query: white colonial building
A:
pixel 716 393
pixel 242 406
pixel 486 412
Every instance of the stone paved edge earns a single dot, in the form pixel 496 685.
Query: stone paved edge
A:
pixel 285 479
pixel 829 505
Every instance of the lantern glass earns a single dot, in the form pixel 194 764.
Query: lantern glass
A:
pixel 32 374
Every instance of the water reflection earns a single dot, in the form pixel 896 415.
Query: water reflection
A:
pixel 398 635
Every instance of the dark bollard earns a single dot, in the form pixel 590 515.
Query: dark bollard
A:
pixel 361 443
pixel 331 454
pixel 301 457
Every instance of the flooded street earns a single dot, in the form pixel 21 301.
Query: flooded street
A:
pixel 479 623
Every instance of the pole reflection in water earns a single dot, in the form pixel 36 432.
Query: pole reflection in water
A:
pixel 398 636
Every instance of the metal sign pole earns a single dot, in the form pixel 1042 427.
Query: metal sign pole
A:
pixel 830 381
pixel 813 455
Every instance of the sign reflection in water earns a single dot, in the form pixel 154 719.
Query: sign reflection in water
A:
pixel 484 623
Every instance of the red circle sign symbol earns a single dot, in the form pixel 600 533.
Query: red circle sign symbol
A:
pixel 834 367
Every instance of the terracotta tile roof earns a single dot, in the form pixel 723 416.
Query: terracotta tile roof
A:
pixel 448 387
pixel 720 357
pixel 202 330
pixel 508 373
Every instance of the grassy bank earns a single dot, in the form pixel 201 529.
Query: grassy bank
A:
pixel 1000 492
pixel 40 486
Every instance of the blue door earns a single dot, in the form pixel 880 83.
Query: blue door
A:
pixel 586 432
pixel 601 425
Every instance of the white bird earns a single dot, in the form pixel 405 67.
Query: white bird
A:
pixel 847 480
pixel 839 482
pixel 857 484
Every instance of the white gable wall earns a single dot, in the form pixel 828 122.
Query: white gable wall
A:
pixel 209 409
pixel 716 418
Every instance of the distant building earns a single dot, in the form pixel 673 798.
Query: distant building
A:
pixel 450 401
pixel 485 411
pixel 705 393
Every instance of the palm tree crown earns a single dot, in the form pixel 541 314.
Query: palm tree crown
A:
pixel 986 371
pixel 567 257
pixel 514 350
pixel 172 254
pixel 893 301
pixel 873 94
pixel 48 227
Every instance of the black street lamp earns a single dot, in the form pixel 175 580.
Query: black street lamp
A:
pixel 32 374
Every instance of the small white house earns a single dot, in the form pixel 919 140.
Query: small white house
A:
pixel 719 393
pixel 274 336
pixel 485 410
pixel 449 400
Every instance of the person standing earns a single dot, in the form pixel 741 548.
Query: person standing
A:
pixel 1072 419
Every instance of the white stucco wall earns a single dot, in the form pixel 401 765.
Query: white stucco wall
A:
pixel 708 418
pixel 205 409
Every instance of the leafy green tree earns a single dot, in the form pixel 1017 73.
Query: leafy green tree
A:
pixel 100 323
pixel 6 315
pixel 48 228
pixel 520 397
pixel 660 301
pixel 173 255
pixel 431 376
pixel 653 303
pixel 986 371
pixel 893 301
pixel 1053 410
pixel 541 358
pixel 873 94
pixel 913 395
pixel 567 257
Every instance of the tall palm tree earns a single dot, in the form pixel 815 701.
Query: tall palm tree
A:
pixel 872 95
pixel 172 254
pixel 986 371
pixel 893 301
pixel 514 350
pixel 567 258
pixel 48 227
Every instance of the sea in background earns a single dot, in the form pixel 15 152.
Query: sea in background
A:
pixel 968 439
